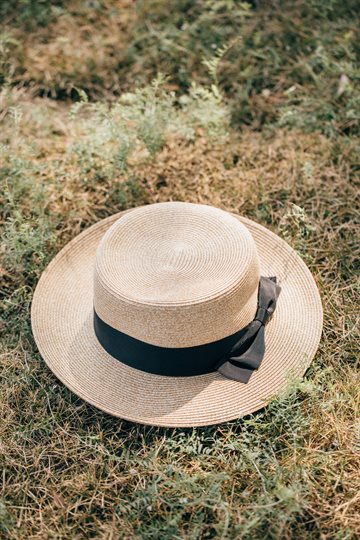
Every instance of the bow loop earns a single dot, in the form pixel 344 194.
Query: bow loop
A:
pixel 248 352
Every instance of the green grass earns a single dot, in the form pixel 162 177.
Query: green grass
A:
pixel 272 133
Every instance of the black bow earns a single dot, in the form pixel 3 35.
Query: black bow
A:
pixel 246 355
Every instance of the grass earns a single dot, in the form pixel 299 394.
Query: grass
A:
pixel 90 128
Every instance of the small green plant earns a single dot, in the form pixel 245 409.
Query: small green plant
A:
pixel 213 63
pixel 138 124
pixel 296 228
pixel 26 243
pixel 7 46
pixel 6 519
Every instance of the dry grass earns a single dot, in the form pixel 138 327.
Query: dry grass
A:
pixel 79 47
pixel 70 471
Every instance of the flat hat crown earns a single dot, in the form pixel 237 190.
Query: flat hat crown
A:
pixel 176 275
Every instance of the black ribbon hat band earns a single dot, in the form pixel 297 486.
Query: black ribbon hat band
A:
pixel 236 357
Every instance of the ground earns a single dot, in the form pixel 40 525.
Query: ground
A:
pixel 254 108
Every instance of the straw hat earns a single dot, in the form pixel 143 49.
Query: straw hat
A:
pixel 177 314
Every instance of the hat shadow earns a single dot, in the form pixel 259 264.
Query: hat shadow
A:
pixel 123 391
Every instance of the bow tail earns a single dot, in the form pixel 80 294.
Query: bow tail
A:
pixel 240 368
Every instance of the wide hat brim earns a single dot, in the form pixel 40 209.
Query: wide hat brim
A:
pixel 62 323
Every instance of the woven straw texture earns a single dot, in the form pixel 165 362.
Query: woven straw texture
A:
pixel 177 275
pixel 62 311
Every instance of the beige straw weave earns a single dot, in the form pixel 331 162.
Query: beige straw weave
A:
pixel 177 275
pixel 174 275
